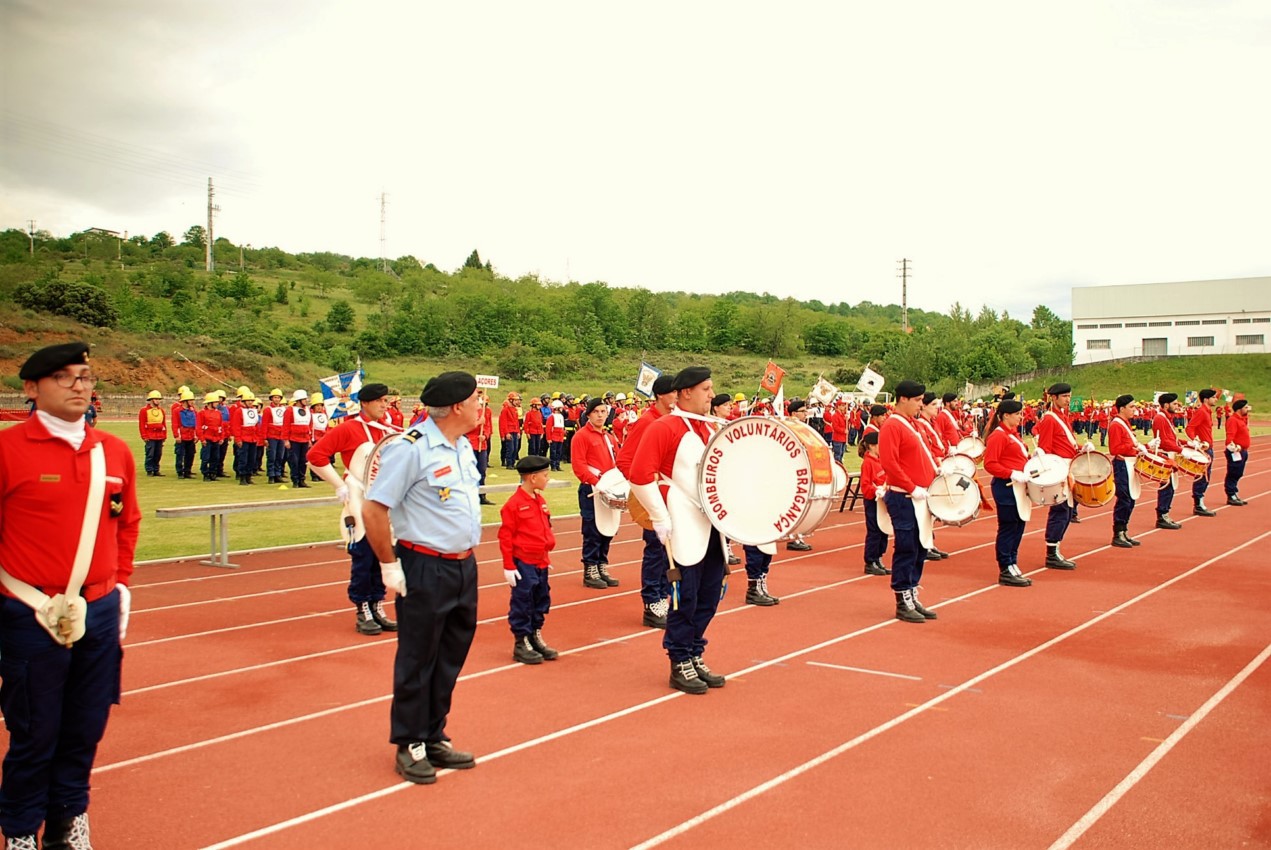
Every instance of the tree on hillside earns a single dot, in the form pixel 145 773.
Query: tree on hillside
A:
pixel 340 317
pixel 196 236
pixel 473 261
pixel 161 240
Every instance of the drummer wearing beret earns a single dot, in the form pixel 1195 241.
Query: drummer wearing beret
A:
pixel 1200 429
pixel 428 480
pixel 1055 437
pixel 1165 441
pixel 1125 449
pixel 1238 443
pixel 1004 458
pixel 593 456
pixel 909 467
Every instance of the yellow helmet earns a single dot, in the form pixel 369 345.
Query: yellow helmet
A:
pixel 739 397
pixel 555 396
pixel 183 389
pixel 210 398
pixel 249 396
pixel 186 395
pixel 316 398
pixel 275 392
pixel 154 394
pixel 220 393
pixel 243 392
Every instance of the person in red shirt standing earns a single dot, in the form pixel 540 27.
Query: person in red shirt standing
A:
pixel 926 422
pixel 210 430
pixel 1004 459
pixel 837 422
pixel 872 480
pixel 1238 443
pixel 534 428
pixel 526 542
pixel 594 454
pixel 1125 449
pixel 60 480
pixel 185 427
pixel 910 469
pixel 1165 441
pixel 556 434
pixel 174 412
pixel 480 437
pixel 510 430
pixel 244 425
pixel 1200 428
pixel 947 421
pixel 297 434
pixel 153 424
pixel 394 412
pixel 274 415
pixel 1056 437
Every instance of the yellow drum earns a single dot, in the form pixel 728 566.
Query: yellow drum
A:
pixel 1192 462
pixel 1092 484
pixel 1154 469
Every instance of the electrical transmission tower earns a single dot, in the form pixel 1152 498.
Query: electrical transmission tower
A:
pixel 383 231
pixel 212 210
pixel 904 294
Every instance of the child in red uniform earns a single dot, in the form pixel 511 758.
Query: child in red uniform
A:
pixel 526 542
pixel 872 478
pixel 211 431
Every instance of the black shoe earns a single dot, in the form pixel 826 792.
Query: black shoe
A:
pixel 1164 521
pixel 1201 510
pixel 603 570
pixel 412 765
pixel 158 475
pixel 934 554
pixel 873 568
pixel 442 754
pixel 799 546
pixel 756 596
pixel 366 624
pixel 484 501
pixel 1075 519
pixel 927 613
pixel 1133 542
pixel 536 641
pixel 684 678
pixel 591 577
pixel 906 610
pixel 1121 541
pixel 524 652
pixel 655 614
pixel 1056 561
pixel 69 834
pixel 1236 501
pixel 704 673
pixel 301 484
pixel 1013 579
pixel 380 616
pixel 733 560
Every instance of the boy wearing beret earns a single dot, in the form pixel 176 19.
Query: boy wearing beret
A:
pixel 526 542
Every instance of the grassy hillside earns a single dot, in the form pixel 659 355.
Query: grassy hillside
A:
pixel 1246 373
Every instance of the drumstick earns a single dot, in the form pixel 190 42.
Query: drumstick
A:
pixel 673 575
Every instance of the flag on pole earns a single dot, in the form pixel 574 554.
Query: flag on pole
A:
pixel 823 391
pixel 772 376
pixel 871 383
pixel 779 403
pixel 339 393
pixel 644 380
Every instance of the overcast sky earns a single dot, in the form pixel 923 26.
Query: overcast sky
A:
pixel 1010 150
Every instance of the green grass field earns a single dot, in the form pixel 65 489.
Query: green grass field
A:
pixel 1243 373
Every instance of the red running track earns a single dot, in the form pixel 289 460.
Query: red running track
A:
pixel 1124 704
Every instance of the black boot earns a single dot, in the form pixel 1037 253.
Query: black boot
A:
pixel 540 645
pixel 655 614
pixel 756 596
pixel 934 554
pixel 1236 501
pixel 906 610
pixel 380 616
pixel 242 479
pixel 591 577
pixel 603 569
pixel 763 587
pixel 1201 510
pixel 366 624
pixel 1056 561
pixel 1119 537
pixel 874 568
pixel 1164 521
pixel 70 834
pixel 524 652
pixel 1011 577
pixel 927 613
pixel 704 673
pixel 684 677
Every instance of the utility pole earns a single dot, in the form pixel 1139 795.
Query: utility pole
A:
pixel 383 231
pixel 30 223
pixel 904 294
pixel 212 210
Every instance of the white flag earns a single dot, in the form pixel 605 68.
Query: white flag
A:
pixel 871 383
pixel 824 391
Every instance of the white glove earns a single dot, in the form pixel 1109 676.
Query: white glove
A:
pixel 511 576
pixel 125 608
pixel 1203 445
pixel 1019 476
pixel 919 494
pixel 1087 448
pixel 394 578
pixel 1140 448
pixel 1038 452
pixel 1233 448
pixel 342 493
pixel 663 531
pixel 1154 444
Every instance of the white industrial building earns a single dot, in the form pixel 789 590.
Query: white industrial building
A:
pixel 1194 317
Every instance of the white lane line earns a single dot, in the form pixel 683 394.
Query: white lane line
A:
pixel 1123 787
pixel 864 670
pixel 783 778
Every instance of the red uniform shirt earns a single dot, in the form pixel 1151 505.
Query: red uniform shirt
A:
pixel 906 460
pixel 153 423
pixel 1201 425
pixel 947 427
pixel 186 423
pixel 274 415
pixel 534 420
pixel 526 532
pixel 838 426
pixel 1004 453
pixel 297 429
pixel 509 420
pixel 872 476
pixel 43 487
pixel 591 454
pixel 395 416
pixel 931 438
pixel 479 436
pixel 211 428
pixel 1163 430
pixel 627 453
pixel 1238 431
pixel 1121 442
pixel 556 427
pixel 658 445
pixel 1054 437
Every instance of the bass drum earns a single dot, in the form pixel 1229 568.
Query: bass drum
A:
pixel 364 466
pixel 764 479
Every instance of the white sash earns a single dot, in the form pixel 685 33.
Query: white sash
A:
pixel 1064 426
pixel 1023 504
pixel 1136 486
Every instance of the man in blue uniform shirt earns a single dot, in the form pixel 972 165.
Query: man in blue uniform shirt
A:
pixel 428 480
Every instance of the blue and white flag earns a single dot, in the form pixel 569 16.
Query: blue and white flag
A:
pixel 339 393
pixel 644 381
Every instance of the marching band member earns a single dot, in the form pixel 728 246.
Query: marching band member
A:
pixel 872 478
pixel 1237 450
pixel 1004 459
pixel 910 469
pixel 947 422
pixel 722 408
pixel 1055 437
pixel 1200 428
pixel 593 456
pixel 877 416
pixel 837 422
pixel 796 410
pixel 671 450
pixel 1165 440
pixel 925 421
pixel 1124 448
pixel 368 425
pixel 526 542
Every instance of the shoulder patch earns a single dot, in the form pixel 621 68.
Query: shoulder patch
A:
pixel 412 435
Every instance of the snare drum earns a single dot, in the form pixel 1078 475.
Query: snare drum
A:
pixel 953 498
pixel 764 479
pixel 1047 480
pixel 972 447
pixel 1191 462
pixel 1092 484
pixel 958 465
pixel 612 494
pixel 1154 469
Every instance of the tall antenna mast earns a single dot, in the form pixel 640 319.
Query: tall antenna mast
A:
pixel 904 294
pixel 383 231
pixel 212 210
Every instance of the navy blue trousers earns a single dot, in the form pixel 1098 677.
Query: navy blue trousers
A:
pixel 154 454
pixel 1201 484
pixel 56 703
pixel 1058 518
pixel 1010 528
pixel 1235 470
pixel 557 452
pixel 209 457
pixel 700 588
pixel 298 461
pixel 246 458
pixel 757 563
pixel 1165 498
pixel 875 540
pixel 1124 504
pixel 908 553
pixel 366 584
pixel 653 565
pixel 185 450
pixel 595 544
pixel 531 599
pixel 275 458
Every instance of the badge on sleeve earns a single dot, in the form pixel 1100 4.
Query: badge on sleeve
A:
pixel 444 493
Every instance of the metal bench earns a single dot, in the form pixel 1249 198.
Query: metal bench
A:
pixel 219 515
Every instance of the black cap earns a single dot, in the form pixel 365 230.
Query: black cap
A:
pixel 1122 401
pixel 721 399
pixel 909 389
pixel 371 392
pixel 870 439
pixel 1239 404
pixel 1168 398
pixel 927 398
pixel 531 464
pixel 691 377
pixel 1008 394
pixel 48 360
pixel 1009 405
pixel 949 398
pixel 664 384
pixel 593 404
pixel 448 388
pixel 1059 389
pixel 877 410
pixel 1207 393
pixel 795 405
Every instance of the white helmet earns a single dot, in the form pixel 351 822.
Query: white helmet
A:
pixel 300 395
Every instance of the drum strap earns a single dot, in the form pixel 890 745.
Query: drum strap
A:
pixel 935 467
pixel 1064 425
pixel 929 428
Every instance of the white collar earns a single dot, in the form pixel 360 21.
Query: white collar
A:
pixel 72 432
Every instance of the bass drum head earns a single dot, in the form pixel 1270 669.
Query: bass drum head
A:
pixel 1090 468
pixel 370 466
pixel 958 465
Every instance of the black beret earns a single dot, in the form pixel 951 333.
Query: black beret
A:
pixel 1008 394
pixel 664 384
pixel 691 377
pixel 1059 389
pixel 372 392
pixel 48 360
pixel 721 399
pixel 796 405
pixel 909 389
pixel 1168 398
pixel 448 388
pixel 1010 405
pixel 1207 393
pixel 870 439
pixel 593 404
pixel 877 410
pixel 1122 401
pixel 531 464
pixel 1239 404
pixel 927 398
pixel 948 398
